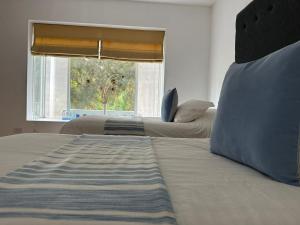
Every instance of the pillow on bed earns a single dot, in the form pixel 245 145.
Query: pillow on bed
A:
pixel 258 116
pixel 191 110
pixel 169 105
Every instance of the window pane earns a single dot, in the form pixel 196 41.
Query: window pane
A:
pixel 50 87
pixel 63 88
pixel 37 86
pixel 150 89
pixel 99 84
pixel 56 87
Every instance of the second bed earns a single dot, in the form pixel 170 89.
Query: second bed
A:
pixel 154 127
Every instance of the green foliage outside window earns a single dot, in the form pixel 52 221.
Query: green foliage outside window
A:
pixel 102 84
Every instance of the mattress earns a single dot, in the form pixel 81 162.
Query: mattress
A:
pixel 204 188
pixel 154 127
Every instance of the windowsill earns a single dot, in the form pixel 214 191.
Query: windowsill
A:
pixel 48 120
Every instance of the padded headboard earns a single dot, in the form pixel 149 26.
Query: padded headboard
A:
pixel 265 26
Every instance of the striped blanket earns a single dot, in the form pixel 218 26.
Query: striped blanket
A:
pixel 105 179
pixel 124 127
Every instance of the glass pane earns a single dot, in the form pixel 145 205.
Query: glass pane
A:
pixel 150 89
pixel 50 87
pixel 64 88
pixel 56 87
pixel 102 84
pixel 37 86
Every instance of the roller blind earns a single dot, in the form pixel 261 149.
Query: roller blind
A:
pixel 101 42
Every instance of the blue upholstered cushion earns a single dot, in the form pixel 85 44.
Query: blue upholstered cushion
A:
pixel 258 116
pixel 169 105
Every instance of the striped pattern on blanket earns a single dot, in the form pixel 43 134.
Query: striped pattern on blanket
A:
pixel 124 127
pixel 93 178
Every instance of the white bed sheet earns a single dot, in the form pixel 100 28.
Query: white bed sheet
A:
pixel 205 188
pixel 154 127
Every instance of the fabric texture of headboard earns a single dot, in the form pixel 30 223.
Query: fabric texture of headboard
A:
pixel 265 26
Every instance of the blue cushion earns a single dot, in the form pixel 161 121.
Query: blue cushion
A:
pixel 258 115
pixel 169 105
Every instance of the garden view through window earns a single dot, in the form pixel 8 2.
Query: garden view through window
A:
pixel 63 88
pixel 102 85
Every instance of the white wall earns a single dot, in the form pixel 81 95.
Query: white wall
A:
pixel 187 46
pixel 222 55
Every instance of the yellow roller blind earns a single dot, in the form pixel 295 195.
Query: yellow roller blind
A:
pixel 116 43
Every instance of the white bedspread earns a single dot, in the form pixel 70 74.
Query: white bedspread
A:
pixel 154 127
pixel 205 188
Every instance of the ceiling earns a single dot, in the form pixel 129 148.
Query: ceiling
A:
pixel 182 2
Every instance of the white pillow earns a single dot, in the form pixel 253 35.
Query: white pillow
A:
pixel 191 110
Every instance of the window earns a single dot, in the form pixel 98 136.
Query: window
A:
pixel 76 70
pixel 63 88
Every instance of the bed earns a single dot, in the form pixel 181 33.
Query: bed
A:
pixel 204 188
pixel 154 127
pixel 39 172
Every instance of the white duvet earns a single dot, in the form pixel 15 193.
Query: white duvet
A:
pixel 205 189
